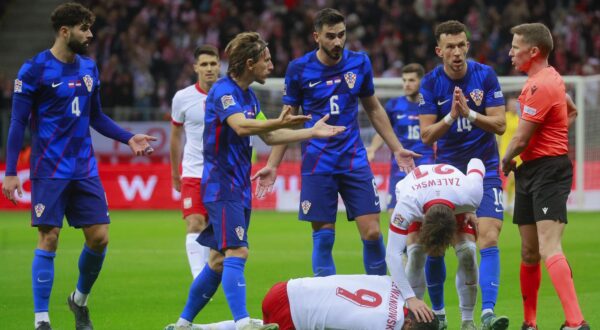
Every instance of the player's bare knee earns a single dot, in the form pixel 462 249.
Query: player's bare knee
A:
pixel 487 239
pixel 48 238
pixel 97 243
pixel 195 223
pixel 529 255
pixel 215 261
pixel 238 252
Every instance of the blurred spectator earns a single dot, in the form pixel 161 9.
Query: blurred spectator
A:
pixel 143 48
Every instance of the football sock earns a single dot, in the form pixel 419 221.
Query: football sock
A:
pixel 322 259
pixel 374 257
pixel 41 317
pixel 531 277
pixel 242 322
pixel 489 276
pixel 562 279
pixel 466 278
pixel 234 286
pixel 435 274
pixel 90 263
pixel 202 289
pixel 196 253
pixel 415 269
pixel 42 277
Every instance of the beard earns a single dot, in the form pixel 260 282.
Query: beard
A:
pixel 333 56
pixel 78 47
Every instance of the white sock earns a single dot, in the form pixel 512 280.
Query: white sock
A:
pixel 41 317
pixel 415 269
pixel 79 298
pixel 467 277
pixel 242 322
pixel 439 311
pixel 487 310
pixel 183 323
pixel 197 254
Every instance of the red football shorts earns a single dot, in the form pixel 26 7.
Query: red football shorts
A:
pixel 276 307
pixel 191 201
pixel 462 226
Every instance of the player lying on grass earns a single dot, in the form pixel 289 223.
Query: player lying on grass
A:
pixel 338 302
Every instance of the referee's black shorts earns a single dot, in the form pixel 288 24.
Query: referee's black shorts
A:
pixel 542 188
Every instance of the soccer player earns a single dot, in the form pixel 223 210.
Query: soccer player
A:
pixel 188 114
pixel 349 302
pixel 58 93
pixel 462 108
pixel 232 115
pixel 435 209
pixel 403 113
pixel 543 180
pixel 330 81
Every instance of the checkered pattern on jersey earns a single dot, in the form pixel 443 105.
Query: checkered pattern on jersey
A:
pixel 333 90
pixel 227 156
pixel 63 97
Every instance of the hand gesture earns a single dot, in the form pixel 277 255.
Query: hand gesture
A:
pixel 9 185
pixel 287 119
pixel 471 219
pixel 455 99
pixel 508 165
pixel 405 160
pixel 266 181
pixel 422 312
pixel 461 103
pixel 140 144
pixel 323 130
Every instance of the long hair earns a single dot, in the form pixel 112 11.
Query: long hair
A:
pixel 245 46
pixel 438 229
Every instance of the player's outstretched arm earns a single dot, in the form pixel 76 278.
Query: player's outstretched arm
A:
pixel 246 127
pixel 319 130
pixel 381 123
pixel 175 155
pixel 140 144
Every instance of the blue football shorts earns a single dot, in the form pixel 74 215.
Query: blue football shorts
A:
pixel 228 223
pixel 491 205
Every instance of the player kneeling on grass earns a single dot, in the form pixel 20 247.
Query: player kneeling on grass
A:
pixel 347 302
pixel 435 209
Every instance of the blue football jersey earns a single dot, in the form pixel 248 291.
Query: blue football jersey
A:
pixel 335 90
pixel 404 117
pixel 464 140
pixel 62 97
pixel 227 156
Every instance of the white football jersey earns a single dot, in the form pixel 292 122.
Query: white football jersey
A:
pixel 188 110
pixel 350 302
pixel 442 183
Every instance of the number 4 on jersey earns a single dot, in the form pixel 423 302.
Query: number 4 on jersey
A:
pixel 75 107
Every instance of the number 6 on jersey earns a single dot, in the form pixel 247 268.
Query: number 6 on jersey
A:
pixel 334 108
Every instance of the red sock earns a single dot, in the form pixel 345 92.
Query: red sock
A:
pixel 562 279
pixel 531 277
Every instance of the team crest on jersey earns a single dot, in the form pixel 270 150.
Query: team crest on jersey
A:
pixel 227 101
pixel 239 231
pixel 89 82
pixel 477 96
pixel 18 86
pixel 39 209
pixel 305 206
pixel 420 99
pixel 350 78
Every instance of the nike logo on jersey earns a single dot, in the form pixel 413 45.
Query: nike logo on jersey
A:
pixel 400 116
pixel 313 84
pixel 56 85
pixel 442 102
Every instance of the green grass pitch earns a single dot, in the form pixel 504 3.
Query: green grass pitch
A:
pixel 146 277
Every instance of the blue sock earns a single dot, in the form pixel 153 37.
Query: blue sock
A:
pixel 203 288
pixel 42 277
pixel 90 263
pixel 374 257
pixel 489 276
pixel 435 274
pixel 234 286
pixel 322 260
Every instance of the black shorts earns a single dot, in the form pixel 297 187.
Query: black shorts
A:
pixel 542 188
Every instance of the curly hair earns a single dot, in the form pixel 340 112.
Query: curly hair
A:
pixel 437 231
pixel 71 14
pixel 245 46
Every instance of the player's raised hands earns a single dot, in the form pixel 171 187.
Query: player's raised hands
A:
pixel 461 105
pixel 406 159
pixel 322 130
pixel 140 144
pixel 288 119
pixel 11 183
pixel 422 312
pixel 455 99
pixel 266 181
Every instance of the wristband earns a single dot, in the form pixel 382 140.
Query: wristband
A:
pixel 472 115
pixel 449 120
